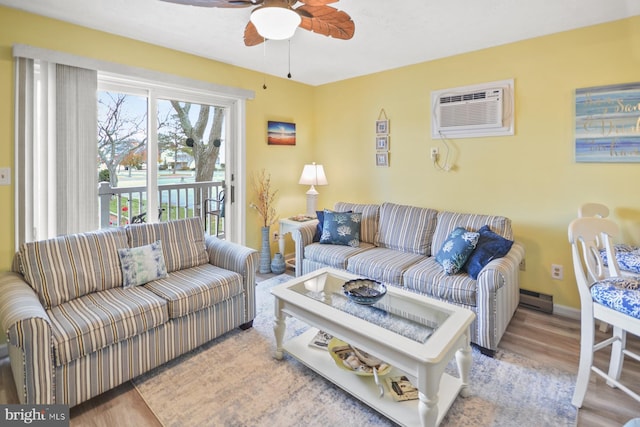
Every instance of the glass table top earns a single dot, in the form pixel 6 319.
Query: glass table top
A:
pixel 406 316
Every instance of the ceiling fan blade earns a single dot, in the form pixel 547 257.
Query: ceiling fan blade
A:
pixel 251 36
pixel 217 3
pixel 327 21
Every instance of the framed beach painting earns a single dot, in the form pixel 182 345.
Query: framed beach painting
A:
pixel 281 133
pixel 607 127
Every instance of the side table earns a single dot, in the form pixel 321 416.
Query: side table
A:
pixel 287 225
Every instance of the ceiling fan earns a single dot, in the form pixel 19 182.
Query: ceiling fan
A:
pixel 278 20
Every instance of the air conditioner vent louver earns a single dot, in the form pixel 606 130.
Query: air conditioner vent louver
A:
pixel 475 110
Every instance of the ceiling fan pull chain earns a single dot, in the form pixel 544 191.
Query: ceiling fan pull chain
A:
pixel 289 75
pixel 264 65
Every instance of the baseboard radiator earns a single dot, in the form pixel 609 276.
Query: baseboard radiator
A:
pixel 536 301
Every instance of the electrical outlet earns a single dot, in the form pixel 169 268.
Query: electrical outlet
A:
pixel 5 176
pixel 557 272
pixel 434 153
pixel 523 265
pixel 276 236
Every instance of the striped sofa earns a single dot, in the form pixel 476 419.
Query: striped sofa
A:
pixel 74 331
pixel 396 247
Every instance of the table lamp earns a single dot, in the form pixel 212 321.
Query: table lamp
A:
pixel 312 175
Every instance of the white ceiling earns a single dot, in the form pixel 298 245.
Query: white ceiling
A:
pixel 389 33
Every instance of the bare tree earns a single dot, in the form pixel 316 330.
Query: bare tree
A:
pixel 119 133
pixel 206 148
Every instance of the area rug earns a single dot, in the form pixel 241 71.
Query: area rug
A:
pixel 235 381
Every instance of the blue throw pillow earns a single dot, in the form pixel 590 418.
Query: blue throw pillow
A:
pixel 142 264
pixel 490 246
pixel 320 225
pixel 456 249
pixel 341 228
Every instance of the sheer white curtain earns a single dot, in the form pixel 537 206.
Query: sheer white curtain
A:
pixel 56 150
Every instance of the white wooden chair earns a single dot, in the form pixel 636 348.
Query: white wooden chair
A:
pixel 593 209
pixel 604 295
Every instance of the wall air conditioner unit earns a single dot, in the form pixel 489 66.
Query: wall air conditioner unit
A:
pixel 473 111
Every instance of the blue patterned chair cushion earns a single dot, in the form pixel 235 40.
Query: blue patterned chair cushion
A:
pixel 628 257
pixel 456 249
pixel 341 229
pixel 619 293
pixel 142 264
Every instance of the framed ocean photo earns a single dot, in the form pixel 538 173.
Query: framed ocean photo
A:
pixel 607 128
pixel 281 133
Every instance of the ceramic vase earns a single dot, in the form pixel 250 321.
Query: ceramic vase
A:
pixel 277 264
pixel 265 252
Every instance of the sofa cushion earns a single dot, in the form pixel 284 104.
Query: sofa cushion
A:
pixel 193 289
pixel 142 264
pixel 490 246
pixel 182 241
pixel 447 221
pixel 429 278
pixel 320 225
pixel 384 265
pixel 370 217
pixel 97 320
pixel 68 267
pixel 406 228
pixel 456 249
pixel 341 228
pixel 333 255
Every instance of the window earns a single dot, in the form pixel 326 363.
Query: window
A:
pixel 183 162
pixel 161 145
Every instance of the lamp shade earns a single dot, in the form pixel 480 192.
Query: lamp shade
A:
pixel 275 22
pixel 313 175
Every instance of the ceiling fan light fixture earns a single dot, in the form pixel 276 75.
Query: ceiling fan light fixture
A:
pixel 275 22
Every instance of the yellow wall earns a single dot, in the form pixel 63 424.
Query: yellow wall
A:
pixel 530 177
pixel 283 100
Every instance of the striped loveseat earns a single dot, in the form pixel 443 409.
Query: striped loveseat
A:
pixel 74 330
pixel 396 247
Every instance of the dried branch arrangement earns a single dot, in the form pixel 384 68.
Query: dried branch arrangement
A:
pixel 261 183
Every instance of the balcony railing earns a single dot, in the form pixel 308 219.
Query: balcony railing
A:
pixel 126 205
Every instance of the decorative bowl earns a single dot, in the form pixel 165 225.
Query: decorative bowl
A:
pixel 340 351
pixel 364 291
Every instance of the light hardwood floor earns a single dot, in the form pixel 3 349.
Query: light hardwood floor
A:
pixel 550 339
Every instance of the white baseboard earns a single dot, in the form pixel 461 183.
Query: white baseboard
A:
pixel 563 310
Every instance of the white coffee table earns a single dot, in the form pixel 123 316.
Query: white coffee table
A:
pixel 417 335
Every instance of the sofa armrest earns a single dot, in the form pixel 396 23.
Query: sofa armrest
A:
pixel 498 295
pixel 503 270
pixel 241 259
pixel 303 236
pixel 29 337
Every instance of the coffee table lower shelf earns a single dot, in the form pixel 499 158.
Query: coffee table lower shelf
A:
pixel 365 388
